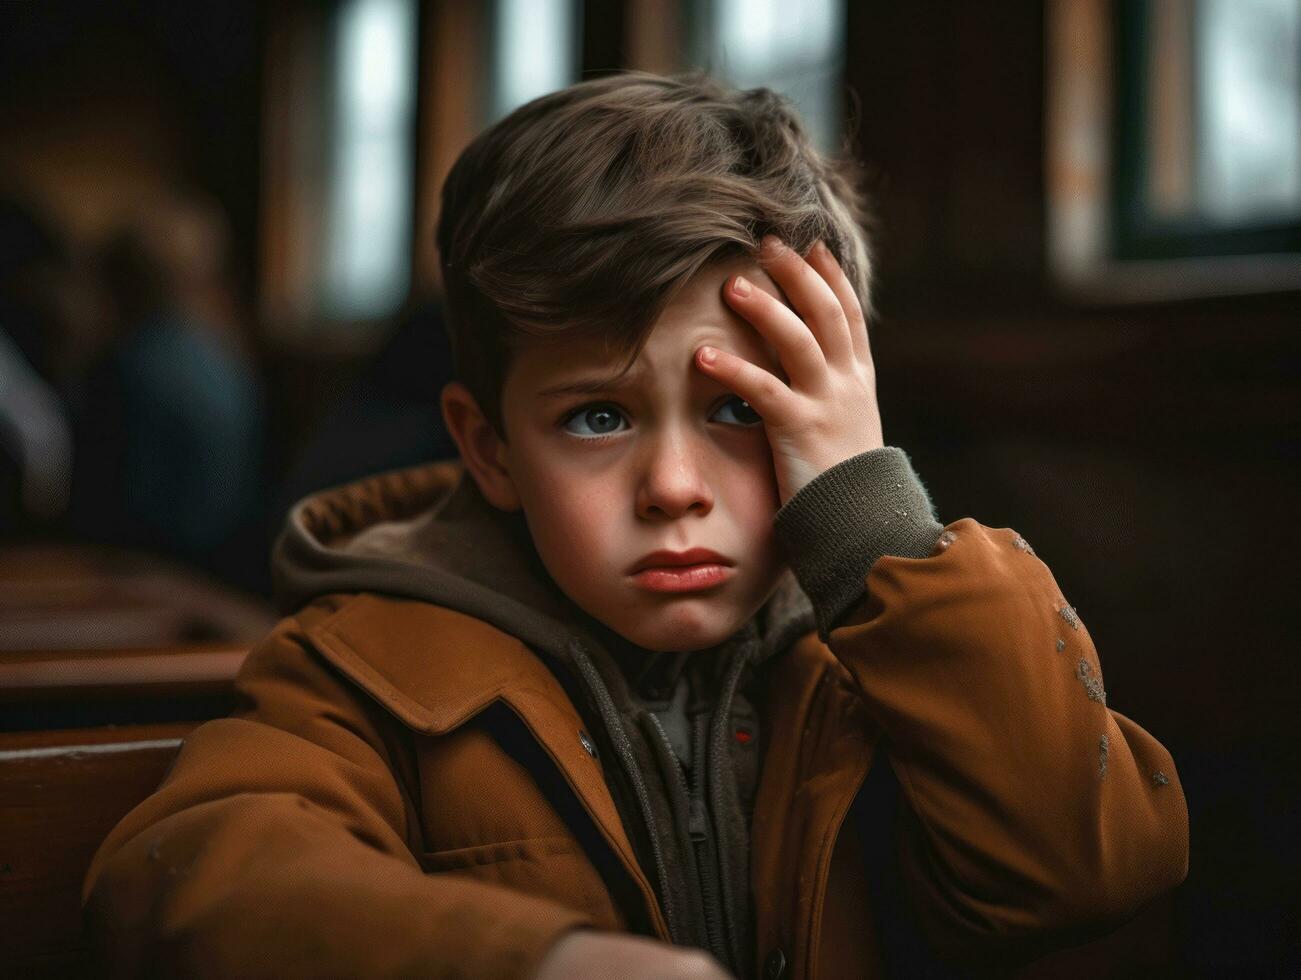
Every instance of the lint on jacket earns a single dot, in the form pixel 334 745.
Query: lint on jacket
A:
pixel 439 763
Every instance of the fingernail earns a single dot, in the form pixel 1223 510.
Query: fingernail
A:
pixel 707 355
pixel 741 286
pixel 770 244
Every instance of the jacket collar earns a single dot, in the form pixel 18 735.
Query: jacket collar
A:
pixel 434 669
pixel 431 667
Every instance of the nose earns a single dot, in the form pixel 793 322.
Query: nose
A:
pixel 673 478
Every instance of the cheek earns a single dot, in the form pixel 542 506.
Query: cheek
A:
pixel 755 504
pixel 752 487
pixel 754 501
pixel 568 514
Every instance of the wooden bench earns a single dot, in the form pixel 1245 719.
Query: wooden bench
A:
pixel 65 597
pixel 65 784
pixel 61 793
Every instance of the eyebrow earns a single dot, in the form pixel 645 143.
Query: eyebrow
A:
pixel 593 384
pixel 585 386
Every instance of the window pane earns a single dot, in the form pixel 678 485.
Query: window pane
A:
pixel 535 51
pixel 367 267
pixel 753 43
pixel 1250 110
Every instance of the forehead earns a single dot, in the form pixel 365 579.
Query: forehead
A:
pixel 697 315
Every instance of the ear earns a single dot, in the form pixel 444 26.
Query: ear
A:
pixel 482 451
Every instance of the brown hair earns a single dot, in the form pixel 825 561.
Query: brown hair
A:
pixel 582 213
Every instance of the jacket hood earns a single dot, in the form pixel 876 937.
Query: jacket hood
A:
pixel 426 532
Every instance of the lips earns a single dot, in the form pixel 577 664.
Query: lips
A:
pixel 675 559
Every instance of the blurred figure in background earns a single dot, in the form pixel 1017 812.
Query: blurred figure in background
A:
pixel 35 435
pixel 388 418
pixel 168 418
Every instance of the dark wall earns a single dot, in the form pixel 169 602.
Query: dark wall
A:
pixel 173 88
pixel 1149 453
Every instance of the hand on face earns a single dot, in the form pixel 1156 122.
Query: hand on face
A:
pixel 829 412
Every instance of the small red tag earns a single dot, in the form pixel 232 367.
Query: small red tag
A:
pixel 743 735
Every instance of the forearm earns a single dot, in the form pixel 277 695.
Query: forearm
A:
pixel 270 885
pixel 1036 808
pixel 837 526
pixel 281 844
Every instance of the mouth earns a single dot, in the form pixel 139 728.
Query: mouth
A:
pixel 679 559
pixel 682 571
pixel 683 578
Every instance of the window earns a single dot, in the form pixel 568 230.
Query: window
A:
pixel 752 43
pixel 1174 146
pixel 367 261
pixel 535 50
pixel 1208 148
pixel 338 153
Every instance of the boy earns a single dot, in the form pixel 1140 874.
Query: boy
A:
pixel 601 698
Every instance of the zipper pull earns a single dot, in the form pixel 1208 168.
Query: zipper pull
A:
pixel 697 823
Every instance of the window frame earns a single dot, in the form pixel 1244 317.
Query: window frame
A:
pixel 1136 232
pixel 1080 132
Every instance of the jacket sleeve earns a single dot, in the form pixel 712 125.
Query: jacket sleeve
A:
pixel 276 846
pixel 1036 817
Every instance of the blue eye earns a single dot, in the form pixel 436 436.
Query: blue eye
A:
pixel 601 420
pixel 747 415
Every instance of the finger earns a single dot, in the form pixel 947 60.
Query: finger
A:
pixel 797 348
pixel 765 392
pixel 813 299
pixel 825 264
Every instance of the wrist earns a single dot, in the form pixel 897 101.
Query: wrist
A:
pixel 835 528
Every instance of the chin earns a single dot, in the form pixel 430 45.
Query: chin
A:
pixel 680 637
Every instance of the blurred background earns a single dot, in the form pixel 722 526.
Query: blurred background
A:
pixel 219 292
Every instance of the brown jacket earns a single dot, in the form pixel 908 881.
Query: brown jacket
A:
pixel 407 789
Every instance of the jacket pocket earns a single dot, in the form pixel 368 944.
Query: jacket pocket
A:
pixel 529 849
pixel 554 867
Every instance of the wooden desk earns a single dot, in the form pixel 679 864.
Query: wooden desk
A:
pixel 61 792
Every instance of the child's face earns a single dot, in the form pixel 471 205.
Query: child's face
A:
pixel 666 459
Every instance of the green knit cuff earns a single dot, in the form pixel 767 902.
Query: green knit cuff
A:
pixel 838 524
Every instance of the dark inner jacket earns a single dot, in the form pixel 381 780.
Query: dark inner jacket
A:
pixel 677 734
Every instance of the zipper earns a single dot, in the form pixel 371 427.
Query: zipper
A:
pixel 706 852
pixel 709 748
pixel 739 958
pixel 698 830
pixel 619 738
pixel 718 901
